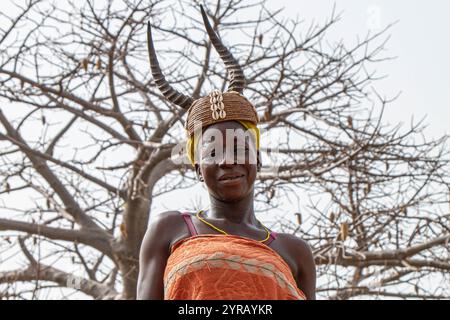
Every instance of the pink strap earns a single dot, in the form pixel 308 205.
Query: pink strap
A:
pixel 273 236
pixel 188 219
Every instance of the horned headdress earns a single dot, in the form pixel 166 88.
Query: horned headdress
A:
pixel 217 106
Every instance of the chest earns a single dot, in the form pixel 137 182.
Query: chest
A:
pixel 279 245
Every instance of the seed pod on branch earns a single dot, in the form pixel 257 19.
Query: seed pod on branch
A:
pixel 350 121
pixel 344 231
pixel 367 189
pixel 299 218
pixel 84 64
pixel 332 217
pixel 7 187
pixel 271 193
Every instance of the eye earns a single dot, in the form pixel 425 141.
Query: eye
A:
pixel 208 154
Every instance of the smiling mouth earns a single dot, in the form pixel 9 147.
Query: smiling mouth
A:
pixel 232 178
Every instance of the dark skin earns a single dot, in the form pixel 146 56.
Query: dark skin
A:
pixel 231 209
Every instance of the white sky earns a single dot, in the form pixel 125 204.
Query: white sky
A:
pixel 421 71
pixel 419 41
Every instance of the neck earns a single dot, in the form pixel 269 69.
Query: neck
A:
pixel 236 212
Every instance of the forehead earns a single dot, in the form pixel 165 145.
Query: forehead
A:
pixel 226 130
pixel 222 129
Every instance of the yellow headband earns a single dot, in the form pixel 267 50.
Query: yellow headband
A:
pixel 192 142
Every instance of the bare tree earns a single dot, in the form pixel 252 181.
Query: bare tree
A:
pixel 86 145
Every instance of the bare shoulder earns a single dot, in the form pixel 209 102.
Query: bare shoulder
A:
pixel 294 243
pixel 164 218
pixel 163 226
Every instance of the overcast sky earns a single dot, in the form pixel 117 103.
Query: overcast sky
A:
pixel 420 42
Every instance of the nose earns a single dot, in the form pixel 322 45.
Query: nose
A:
pixel 228 159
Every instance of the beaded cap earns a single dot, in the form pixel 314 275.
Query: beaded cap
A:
pixel 218 107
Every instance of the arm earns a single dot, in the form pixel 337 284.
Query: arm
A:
pixel 153 256
pixel 306 276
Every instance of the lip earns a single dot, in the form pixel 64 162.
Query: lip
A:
pixel 231 177
pixel 231 182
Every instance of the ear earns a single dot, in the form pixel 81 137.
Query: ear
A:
pixel 198 172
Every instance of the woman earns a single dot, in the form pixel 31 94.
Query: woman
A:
pixel 223 252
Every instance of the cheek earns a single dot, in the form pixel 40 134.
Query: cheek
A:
pixel 207 172
pixel 251 174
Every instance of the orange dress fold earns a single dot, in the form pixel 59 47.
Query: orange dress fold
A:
pixel 227 267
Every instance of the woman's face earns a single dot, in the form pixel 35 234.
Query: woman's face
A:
pixel 227 161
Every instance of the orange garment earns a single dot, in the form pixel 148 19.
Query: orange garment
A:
pixel 227 267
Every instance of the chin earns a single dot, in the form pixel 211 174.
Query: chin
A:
pixel 232 198
pixel 232 195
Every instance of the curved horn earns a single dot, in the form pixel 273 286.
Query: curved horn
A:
pixel 166 89
pixel 237 78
